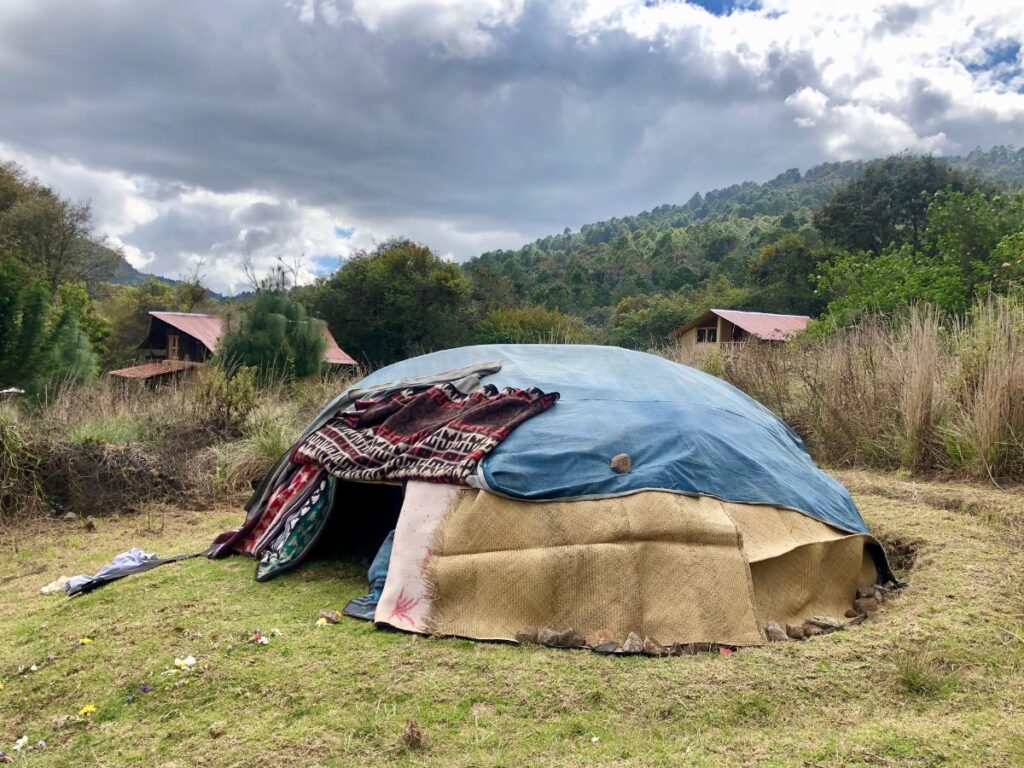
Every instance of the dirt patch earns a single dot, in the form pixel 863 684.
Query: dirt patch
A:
pixel 100 478
pixel 902 553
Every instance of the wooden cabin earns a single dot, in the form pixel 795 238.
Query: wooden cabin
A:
pixel 729 326
pixel 179 341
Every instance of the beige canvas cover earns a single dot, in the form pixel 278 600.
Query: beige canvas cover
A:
pixel 673 567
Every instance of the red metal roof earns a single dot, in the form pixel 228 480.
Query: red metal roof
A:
pixel 765 325
pixel 208 329
pixel 334 354
pixel 149 370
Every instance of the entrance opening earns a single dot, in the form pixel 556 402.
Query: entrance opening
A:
pixel 363 515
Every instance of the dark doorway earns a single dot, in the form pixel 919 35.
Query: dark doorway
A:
pixel 363 515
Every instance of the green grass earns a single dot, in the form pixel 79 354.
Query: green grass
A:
pixel 115 430
pixel 936 679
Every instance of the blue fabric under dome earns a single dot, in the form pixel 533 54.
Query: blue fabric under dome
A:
pixel 685 431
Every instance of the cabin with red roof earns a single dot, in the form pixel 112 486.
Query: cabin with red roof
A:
pixel 728 326
pixel 179 341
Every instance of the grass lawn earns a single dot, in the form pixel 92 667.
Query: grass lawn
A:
pixel 937 678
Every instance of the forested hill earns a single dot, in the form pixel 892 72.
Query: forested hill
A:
pixel 710 248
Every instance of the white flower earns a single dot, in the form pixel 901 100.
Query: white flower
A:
pixel 20 743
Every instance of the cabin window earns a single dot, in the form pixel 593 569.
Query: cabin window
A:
pixel 708 335
pixel 173 349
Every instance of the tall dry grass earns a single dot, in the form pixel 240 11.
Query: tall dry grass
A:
pixel 108 446
pixel 917 391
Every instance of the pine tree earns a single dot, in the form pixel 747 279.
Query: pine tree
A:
pixel 277 337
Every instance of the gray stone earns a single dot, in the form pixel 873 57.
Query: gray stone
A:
pixel 568 638
pixel 795 631
pixel 633 643
pixel 826 623
pixel 572 639
pixel 611 647
pixel 549 637
pixel 852 613
pixel 775 632
pixel 70 517
pixel 865 592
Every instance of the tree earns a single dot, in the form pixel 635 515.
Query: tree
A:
pixel 964 229
pixel 646 321
pixel 50 234
pixel 968 250
pixel 783 275
pixel 74 298
pixel 14 185
pixel 900 276
pixel 888 203
pixel 276 337
pixel 396 301
pixel 23 315
pixel 533 324
pixel 39 341
pixel 1008 264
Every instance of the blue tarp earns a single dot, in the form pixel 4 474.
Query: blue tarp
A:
pixel 685 431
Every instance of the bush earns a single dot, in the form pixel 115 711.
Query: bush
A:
pixel 224 401
pixel 18 465
pixel 531 325
pixel 267 435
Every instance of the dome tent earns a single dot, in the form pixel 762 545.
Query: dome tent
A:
pixel 721 523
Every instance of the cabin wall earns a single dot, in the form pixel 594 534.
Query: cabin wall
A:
pixel 155 347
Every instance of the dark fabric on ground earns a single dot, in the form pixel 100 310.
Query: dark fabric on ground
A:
pixel 147 565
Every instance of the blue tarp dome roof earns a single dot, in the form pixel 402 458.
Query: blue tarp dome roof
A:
pixel 685 431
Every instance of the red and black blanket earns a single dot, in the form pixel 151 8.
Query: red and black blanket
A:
pixel 437 434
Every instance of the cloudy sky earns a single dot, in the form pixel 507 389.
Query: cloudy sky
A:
pixel 213 130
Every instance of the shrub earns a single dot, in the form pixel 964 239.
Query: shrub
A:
pixel 18 465
pixel 267 434
pixel 223 401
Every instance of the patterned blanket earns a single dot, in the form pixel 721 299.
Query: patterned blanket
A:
pixel 437 434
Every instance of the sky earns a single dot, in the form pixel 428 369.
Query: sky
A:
pixel 207 133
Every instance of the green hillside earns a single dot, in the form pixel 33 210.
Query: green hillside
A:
pixel 710 248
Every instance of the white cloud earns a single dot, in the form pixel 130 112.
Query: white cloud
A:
pixel 461 27
pixel 809 105
pixel 470 124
